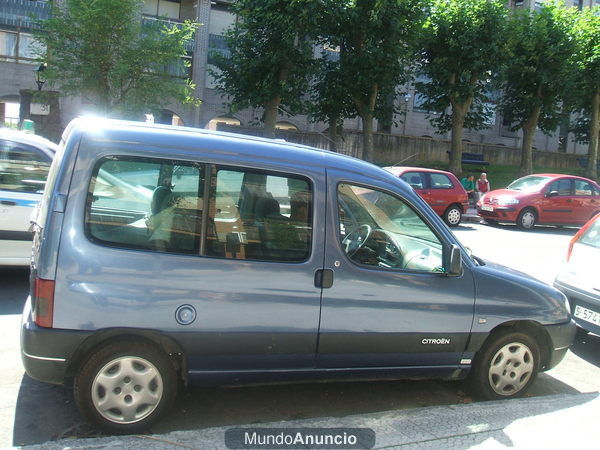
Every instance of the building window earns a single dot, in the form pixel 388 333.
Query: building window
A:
pixel 217 45
pixel 162 8
pixel 18 47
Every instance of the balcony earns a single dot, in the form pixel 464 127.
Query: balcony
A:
pixel 189 44
pixel 19 13
pixel 217 44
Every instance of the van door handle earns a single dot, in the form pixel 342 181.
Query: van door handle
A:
pixel 324 278
pixel 8 203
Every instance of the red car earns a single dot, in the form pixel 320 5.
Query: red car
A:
pixel 441 190
pixel 543 198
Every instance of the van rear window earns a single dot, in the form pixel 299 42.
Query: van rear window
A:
pixel 148 204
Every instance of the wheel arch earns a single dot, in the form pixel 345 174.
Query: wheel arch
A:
pixel 530 327
pixel 168 345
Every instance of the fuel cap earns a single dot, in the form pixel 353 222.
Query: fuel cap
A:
pixel 185 314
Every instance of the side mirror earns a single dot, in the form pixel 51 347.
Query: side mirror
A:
pixel 455 261
pixel 551 194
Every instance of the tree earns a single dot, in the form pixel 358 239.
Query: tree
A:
pixel 377 41
pixel 101 50
pixel 587 91
pixel 463 49
pixel 329 101
pixel 270 56
pixel 538 72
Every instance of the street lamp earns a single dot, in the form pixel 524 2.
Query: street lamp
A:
pixel 40 79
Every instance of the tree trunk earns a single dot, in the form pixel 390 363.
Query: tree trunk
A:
pixel 526 148
pixel 592 170
pixel 367 120
pixel 459 111
pixel 334 136
pixel 270 116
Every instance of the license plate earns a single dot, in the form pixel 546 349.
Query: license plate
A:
pixel 487 208
pixel 587 314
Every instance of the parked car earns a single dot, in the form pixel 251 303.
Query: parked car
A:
pixel 579 279
pixel 545 198
pixel 24 164
pixel 441 190
pixel 216 262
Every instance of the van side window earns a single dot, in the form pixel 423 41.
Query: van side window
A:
pixel 22 169
pixel 145 203
pixel 378 229
pixel 259 216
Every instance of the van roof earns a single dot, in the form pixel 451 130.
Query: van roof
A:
pixel 187 138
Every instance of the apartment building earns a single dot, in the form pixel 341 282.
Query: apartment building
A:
pixel 17 78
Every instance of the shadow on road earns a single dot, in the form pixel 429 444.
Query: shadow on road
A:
pixel 587 347
pixel 46 412
pixel 547 230
pixel 14 284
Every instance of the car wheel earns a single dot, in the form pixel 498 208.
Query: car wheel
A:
pixel 125 386
pixel 506 366
pixel 453 216
pixel 527 219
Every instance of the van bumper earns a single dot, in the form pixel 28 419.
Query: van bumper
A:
pixel 46 352
pixel 561 336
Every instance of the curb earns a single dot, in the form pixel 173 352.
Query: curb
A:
pixel 556 421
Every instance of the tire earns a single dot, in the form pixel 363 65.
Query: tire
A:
pixel 142 381
pixel 506 366
pixel 453 216
pixel 527 219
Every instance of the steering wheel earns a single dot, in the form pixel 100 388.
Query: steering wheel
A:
pixel 356 239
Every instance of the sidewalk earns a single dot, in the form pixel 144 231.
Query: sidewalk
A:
pixel 557 421
pixel 471 215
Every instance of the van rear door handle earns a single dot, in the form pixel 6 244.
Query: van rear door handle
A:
pixel 324 278
pixel 8 203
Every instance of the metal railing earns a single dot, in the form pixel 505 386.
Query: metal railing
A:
pixel 189 44
pixel 23 13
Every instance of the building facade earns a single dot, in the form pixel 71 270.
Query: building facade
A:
pixel 17 70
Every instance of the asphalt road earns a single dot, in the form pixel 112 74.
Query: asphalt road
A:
pixel 33 412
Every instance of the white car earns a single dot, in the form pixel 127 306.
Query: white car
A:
pixel 579 279
pixel 24 164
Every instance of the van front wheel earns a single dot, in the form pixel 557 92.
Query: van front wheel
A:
pixel 125 386
pixel 506 366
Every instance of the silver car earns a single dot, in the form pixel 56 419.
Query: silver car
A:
pixel 579 278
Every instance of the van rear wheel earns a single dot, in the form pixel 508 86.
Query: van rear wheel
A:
pixel 125 386
pixel 506 366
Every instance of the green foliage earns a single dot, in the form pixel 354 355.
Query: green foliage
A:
pixel 101 50
pixel 539 71
pixel 464 47
pixel 377 41
pixel 585 99
pixel 270 54
pixel 329 100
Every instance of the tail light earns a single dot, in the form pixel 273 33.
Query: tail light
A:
pixel 576 238
pixel 43 304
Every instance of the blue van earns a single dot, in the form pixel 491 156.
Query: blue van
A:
pixel 166 255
